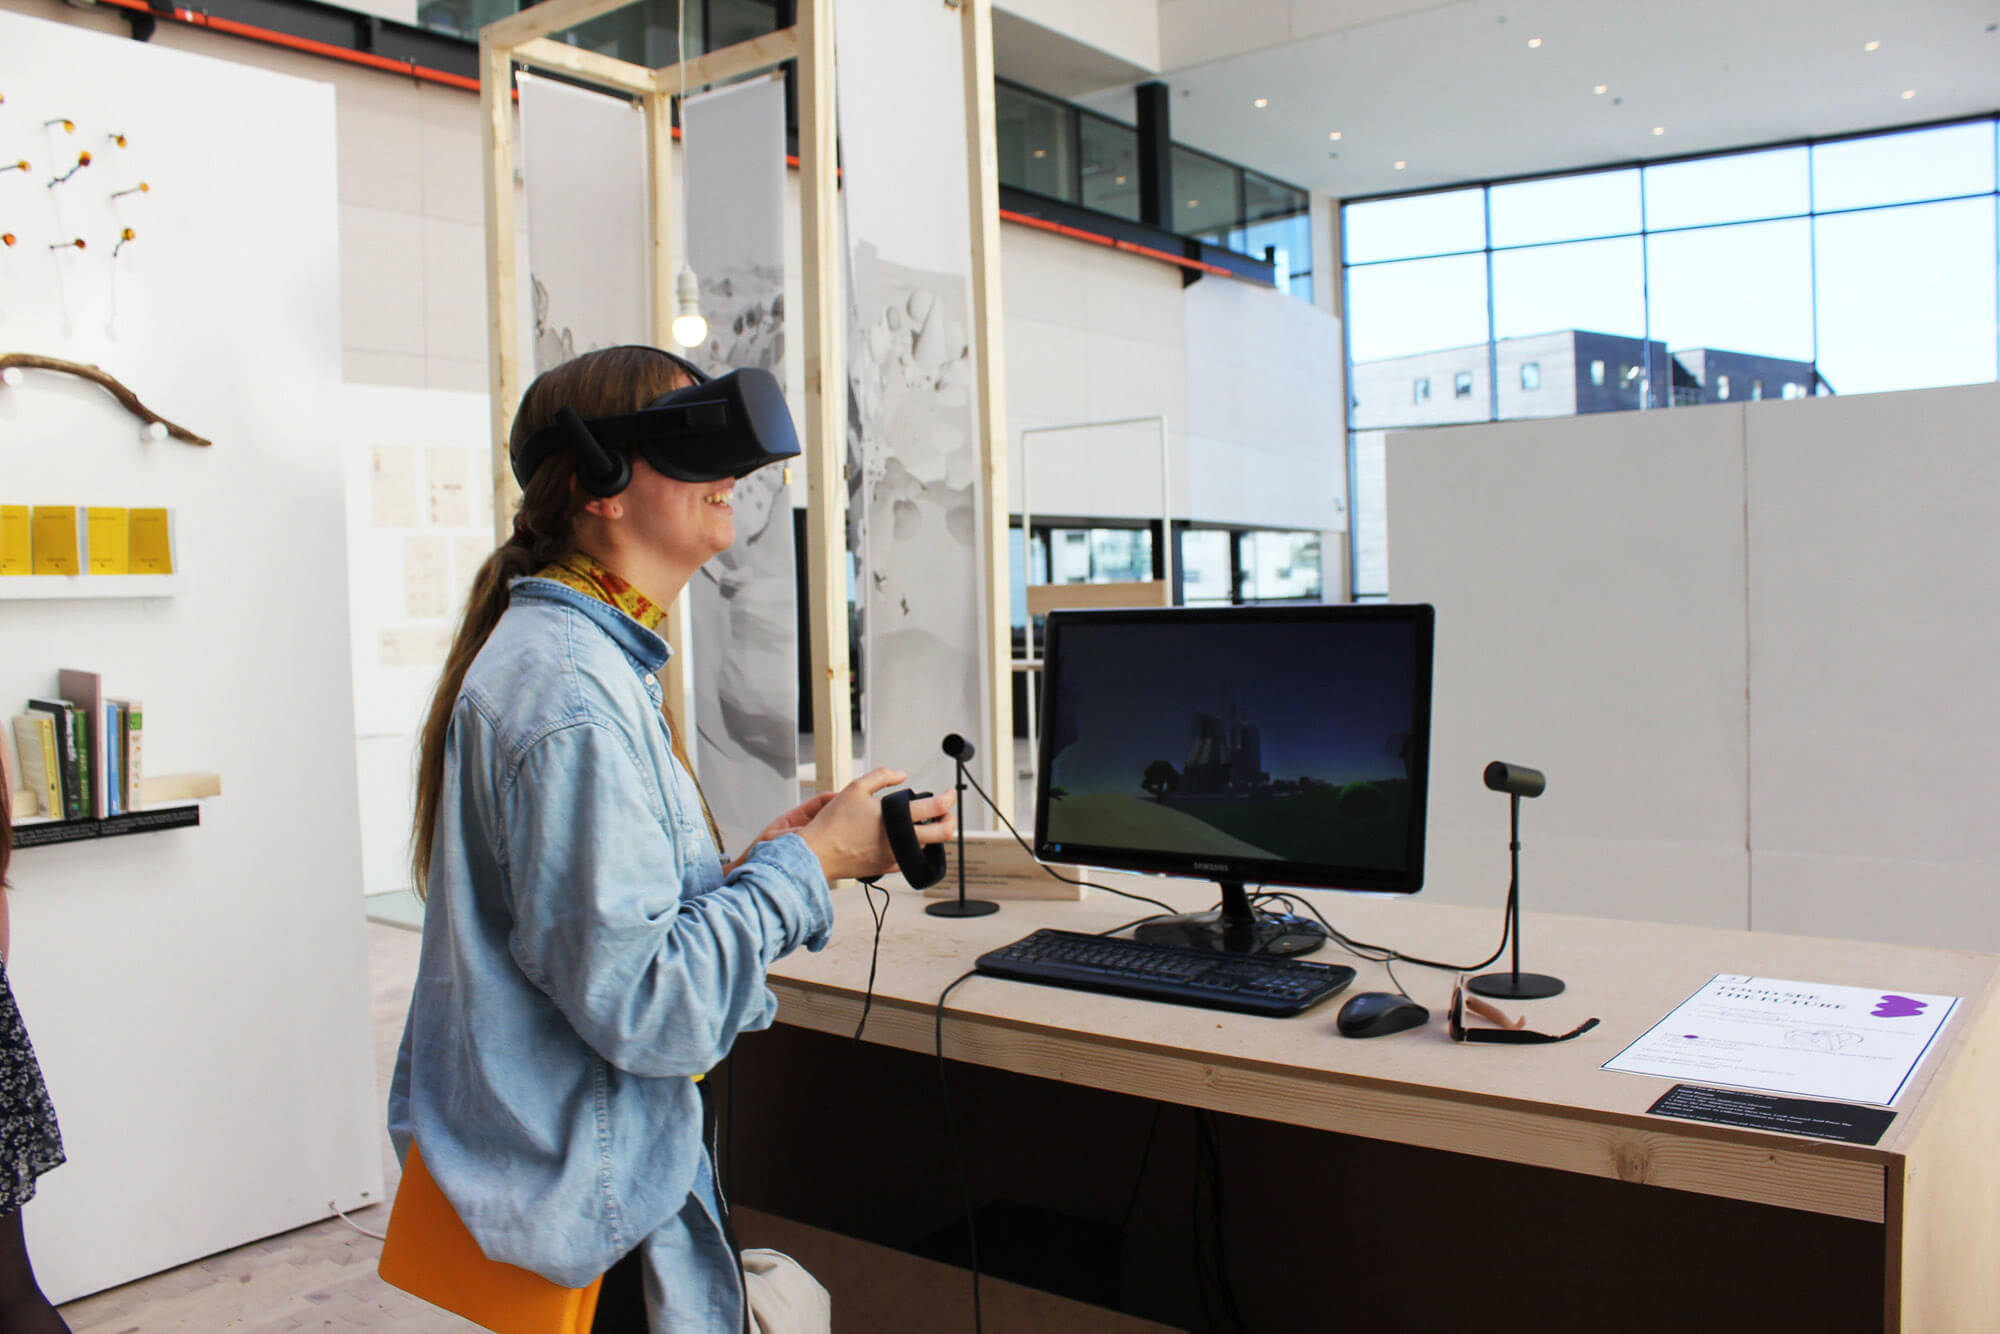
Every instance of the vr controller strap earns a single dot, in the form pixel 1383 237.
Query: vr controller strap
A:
pixel 921 866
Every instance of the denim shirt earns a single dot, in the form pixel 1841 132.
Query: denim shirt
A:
pixel 583 954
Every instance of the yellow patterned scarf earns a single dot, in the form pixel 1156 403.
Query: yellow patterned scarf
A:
pixel 592 578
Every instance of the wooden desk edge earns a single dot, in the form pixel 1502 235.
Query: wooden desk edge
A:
pixel 1790 1172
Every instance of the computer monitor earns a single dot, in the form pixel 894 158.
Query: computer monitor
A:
pixel 1278 746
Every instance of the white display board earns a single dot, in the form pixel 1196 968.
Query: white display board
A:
pixel 1752 645
pixel 419 487
pixel 1875 726
pixel 1588 578
pixel 198 997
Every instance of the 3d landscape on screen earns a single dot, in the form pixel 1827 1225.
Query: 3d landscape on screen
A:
pixel 1286 741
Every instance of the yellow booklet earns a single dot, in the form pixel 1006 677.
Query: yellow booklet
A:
pixel 17 548
pixel 107 540
pixel 151 548
pixel 56 539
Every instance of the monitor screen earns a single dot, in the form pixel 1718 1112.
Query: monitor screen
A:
pixel 1279 745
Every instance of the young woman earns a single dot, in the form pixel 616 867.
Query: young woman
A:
pixel 587 955
pixel 30 1142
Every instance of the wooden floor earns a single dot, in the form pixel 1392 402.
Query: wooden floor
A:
pixel 316 1278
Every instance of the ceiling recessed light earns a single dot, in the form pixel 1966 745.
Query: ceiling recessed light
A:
pixel 1041 152
pixel 1194 203
pixel 1870 46
pixel 1659 129
pixel 1909 93
pixel 1401 165
pixel 1262 102
pixel 1601 89
pixel 1534 41
pixel 1121 180
pixel 1334 135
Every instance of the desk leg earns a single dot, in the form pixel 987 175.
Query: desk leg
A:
pixel 1943 1207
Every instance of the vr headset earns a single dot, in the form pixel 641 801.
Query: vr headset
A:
pixel 728 426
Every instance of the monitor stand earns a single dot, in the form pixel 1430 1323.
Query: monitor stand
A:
pixel 1236 928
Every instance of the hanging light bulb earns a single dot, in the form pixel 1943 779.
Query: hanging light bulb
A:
pixel 690 328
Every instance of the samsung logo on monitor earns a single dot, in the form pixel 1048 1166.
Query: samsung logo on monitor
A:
pixel 1211 866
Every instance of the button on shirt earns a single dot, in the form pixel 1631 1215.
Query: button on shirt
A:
pixel 583 955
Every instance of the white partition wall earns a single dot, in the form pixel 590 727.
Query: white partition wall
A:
pixel 198 996
pixel 1752 645
pixel 1588 577
pixel 1875 652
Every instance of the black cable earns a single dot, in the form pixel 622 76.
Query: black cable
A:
pixel 1139 1177
pixel 1385 952
pixel 1218 1234
pixel 957 1156
pixel 868 888
pixel 1168 909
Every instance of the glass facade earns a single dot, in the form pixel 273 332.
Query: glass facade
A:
pixel 1854 265
pixel 1050 148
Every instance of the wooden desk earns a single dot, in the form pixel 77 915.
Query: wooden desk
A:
pixel 1916 1218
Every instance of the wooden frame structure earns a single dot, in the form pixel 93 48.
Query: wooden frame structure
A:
pixel 526 38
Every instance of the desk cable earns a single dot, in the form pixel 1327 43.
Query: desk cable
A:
pixel 1384 954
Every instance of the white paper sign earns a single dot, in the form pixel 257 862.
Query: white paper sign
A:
pixel 1854 1044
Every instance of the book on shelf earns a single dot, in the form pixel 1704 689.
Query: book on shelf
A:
pixel 17 543
pixel 150 542
pixel 114 759
pixel 60 711
pixel 58 539
pixel 86 691
pixel 107 539
pixel 132 761
pixel 35 747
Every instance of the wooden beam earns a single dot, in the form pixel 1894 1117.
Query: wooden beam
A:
pixel 551 16
pixel 584 63
pixel 826 400
pixel 989 340
pixel 496 127
pixel 676 678
pixel 772 48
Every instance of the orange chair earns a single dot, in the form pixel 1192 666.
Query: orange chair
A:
pixel 429 1253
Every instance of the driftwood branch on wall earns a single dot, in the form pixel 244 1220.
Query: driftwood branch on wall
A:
pixel 128 399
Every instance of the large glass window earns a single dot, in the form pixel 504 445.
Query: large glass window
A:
pixel 1035 137
pixel 1110 156
pixel 1207 198
pixel 1853 265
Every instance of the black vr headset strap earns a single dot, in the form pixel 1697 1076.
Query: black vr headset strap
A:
pixel 603 468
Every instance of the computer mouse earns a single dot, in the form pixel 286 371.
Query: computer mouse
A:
pixel 1373 1014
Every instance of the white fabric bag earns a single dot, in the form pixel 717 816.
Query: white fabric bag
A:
pixel 784 1298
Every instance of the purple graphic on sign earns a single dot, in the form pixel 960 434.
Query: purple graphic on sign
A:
pixel 1689 1036
pixel 1898 1007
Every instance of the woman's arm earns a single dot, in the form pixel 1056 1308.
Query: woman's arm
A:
pixel 656 981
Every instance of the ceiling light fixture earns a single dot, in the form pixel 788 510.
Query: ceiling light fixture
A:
pixel 1870 46
pixel 1262 102
pixel 1041 152
pixel 1534 41
pixel 1659 129
pixel 1401 165
pixel 1121 180
pixel 1601 89
pixel 1333 135
pixel 1194 203
pixel 1909 93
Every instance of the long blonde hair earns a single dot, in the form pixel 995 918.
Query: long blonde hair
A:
pixel 596 384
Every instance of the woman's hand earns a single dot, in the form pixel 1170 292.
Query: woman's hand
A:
pixel 793 820
pixel 846 832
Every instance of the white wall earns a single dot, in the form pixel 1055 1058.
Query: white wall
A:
pixel 1750 644
pixel 1248 378
pixel 198 997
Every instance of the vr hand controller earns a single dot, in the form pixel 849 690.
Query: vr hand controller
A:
pixel 922 866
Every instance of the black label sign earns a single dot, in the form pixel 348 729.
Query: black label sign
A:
pixel 1761 1111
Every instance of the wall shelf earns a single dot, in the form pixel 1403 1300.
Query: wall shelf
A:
pixel 48 587
pixel 36 833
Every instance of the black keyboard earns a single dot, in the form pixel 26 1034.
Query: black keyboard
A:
pixel 1251 983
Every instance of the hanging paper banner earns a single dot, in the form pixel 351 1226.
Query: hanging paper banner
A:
pixel 913 435
pixel 583 162
pixel 744 603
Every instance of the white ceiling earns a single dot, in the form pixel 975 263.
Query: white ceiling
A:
pixel 1455 91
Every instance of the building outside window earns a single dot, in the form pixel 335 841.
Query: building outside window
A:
pixel 1420 390
pixel 1865 263
pixel 1461 385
